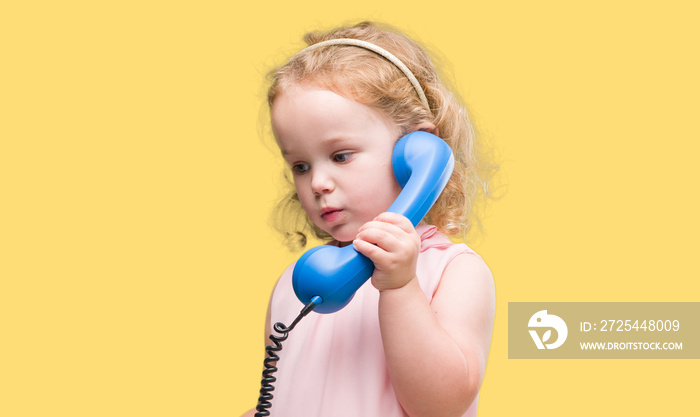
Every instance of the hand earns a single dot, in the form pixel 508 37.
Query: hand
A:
pixel 392 243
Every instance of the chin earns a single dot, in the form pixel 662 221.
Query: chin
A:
pixel 343 237
pixel 343 240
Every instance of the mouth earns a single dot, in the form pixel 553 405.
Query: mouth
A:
pixel 331 214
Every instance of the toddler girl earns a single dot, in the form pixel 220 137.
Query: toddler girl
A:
pixel 415 338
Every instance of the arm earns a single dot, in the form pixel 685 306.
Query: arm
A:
pixel 436 352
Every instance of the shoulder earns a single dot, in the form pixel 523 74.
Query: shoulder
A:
pixel 433 240
pixel 468 264
pixel 283 300
pixel 436 247
pixel 468 274
pixel 286 276
pixel 467 279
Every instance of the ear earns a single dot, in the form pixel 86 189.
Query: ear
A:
pixel 427 127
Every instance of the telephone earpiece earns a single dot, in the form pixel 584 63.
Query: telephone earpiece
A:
pixel 328 275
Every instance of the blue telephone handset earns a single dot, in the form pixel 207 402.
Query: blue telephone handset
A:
pixel 328 275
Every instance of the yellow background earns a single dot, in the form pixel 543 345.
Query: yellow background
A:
pixel 135 257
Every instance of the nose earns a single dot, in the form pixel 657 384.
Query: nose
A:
pixel 321 182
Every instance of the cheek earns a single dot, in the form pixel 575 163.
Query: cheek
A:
pixel 385 189
pixel 302 194
pixel 393 191
pixel 305 201
pixel 390 180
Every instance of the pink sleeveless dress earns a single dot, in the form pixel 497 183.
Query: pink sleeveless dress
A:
pixel 333 364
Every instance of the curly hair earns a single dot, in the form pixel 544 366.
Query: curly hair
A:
pixel 370 79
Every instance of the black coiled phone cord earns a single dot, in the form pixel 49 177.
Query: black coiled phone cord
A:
pixel 266 388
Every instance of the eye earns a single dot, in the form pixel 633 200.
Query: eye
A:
pixel 300 168
pixel 342 157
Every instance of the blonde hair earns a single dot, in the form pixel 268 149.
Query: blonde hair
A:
pixel 372 80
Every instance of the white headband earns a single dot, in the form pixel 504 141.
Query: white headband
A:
pixel 381 51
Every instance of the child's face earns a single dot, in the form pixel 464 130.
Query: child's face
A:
pixel 340 154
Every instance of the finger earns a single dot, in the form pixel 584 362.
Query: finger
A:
pixel 387 227
pixel 396 219
pixel 373 252
pixel 382 238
